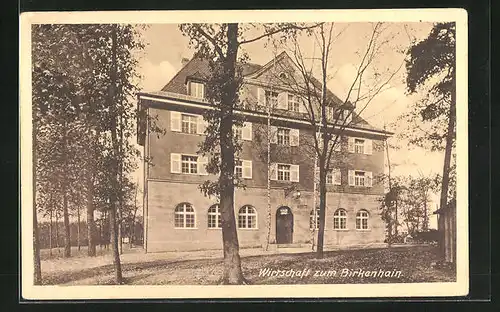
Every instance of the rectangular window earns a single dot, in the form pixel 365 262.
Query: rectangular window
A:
pixel 283 136
pixel 293 103
pixel 189 164
pixel 329 177
pixel 238 169
pixel 189 123
pixel 359 178
pixel 238 133
pixel 283 172
pixel 197 89
pixel 272 98
pixel 359 146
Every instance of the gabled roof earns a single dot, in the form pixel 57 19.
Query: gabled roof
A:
pixel 198 68
pixel 283 56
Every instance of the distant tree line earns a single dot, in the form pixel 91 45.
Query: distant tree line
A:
pixel 52 235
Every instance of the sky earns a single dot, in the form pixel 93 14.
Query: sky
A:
pixel 166 46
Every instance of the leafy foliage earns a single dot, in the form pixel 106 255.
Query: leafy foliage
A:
pixel 430 67
pixel 72 73
pixel 407 203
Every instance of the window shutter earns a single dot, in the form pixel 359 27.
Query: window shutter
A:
pixel 202 162
pixel 247 169
pixel 294 173
pixel 337 176
pixel 246 131
pixel 202 91
pixel 261 97
pixel 350 144
pixel 175 163
pixel 283 100
pixel 243 96
pixel 274 134
pixel 175 121
pixel 302 105
pixel 368 147
pixel 368 179
pixel 201 125
pixel 351 177
pixel 274 172
pixel 319 138
pixel 338 143
pixel 294 137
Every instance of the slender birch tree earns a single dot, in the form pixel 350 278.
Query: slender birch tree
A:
pixel 328 114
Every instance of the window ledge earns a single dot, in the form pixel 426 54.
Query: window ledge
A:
pixel 180 132
pixel 186 228
pixel 190 174
pixel 341 230
pixel 364 230
pixel 246 229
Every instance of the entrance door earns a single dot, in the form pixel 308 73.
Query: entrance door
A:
pixel 284 225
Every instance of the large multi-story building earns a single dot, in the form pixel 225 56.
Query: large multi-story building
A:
pixel 177 216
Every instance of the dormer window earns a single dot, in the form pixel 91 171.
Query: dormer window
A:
pixel 293 103
pixel 346 116
pixel 196 89
pixel 283 75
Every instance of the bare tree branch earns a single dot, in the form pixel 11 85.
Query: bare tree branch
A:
pixel 279 29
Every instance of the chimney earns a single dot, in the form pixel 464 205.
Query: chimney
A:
pixel 184 61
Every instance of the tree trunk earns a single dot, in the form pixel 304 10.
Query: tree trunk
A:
pixel 78 227
pixel 114 244
pixel 36 246
pixel 119 225
pixel 67 233
pixel 67 238
pixel 91 230
pixel 389 212
pixel 426 217
pixel 396 222
pixel 120 197
pixel 37 267
pixel 322 206
pixel 91 226
pixel 57 232
pixel 446 177
pixel 50 232
pixel 101 232
pixel 113 222
pixel 132 225
pixel 232 263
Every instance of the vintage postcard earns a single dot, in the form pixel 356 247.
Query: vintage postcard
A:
pixel 244 154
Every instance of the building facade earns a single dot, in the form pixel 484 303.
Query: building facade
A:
pixel 177 216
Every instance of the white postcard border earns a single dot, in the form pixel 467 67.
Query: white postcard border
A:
pixel 30 291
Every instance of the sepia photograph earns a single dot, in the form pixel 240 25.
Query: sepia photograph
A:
pixel 260 154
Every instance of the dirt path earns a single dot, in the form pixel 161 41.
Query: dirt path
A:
pixel 415 264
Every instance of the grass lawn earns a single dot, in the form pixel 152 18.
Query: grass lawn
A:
pixel 415 264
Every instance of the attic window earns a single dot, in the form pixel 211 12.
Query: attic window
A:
pixel 283 75
pixel 196 89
